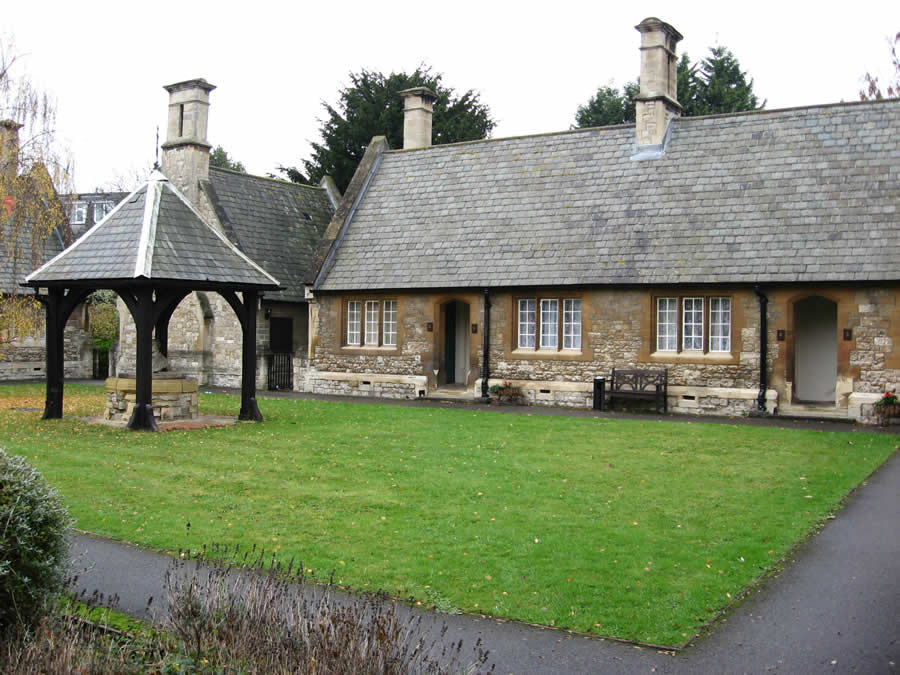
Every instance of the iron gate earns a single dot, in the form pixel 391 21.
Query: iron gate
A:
pixel 281 372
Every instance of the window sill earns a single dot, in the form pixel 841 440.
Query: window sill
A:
pixel 370 349
pixel 719 358
pixel 552 354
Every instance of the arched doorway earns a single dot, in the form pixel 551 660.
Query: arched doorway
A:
pixel 815 350
pixel 454 363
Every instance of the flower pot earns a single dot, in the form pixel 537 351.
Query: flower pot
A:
pixel 887 412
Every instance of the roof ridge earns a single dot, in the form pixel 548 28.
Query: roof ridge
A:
pixel 630 125
pixel 270 179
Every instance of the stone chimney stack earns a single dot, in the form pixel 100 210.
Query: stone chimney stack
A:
pixel 657 102
pixel 185 158
pixel 418 107
pixel 9 151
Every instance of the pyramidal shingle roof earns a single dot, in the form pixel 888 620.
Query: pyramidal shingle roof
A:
pixel 153 234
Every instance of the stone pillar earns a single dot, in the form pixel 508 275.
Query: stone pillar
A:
pixel 657 102
pixel 418 108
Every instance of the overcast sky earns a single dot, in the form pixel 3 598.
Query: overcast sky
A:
pixel 274 63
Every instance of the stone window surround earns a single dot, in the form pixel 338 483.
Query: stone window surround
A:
pixel 363 348
pixel 690 355
pixel 538 352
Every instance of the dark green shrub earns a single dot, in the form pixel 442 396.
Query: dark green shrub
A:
pixel 33 545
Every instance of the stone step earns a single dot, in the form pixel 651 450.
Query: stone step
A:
pixel 456 394
pixel 820 412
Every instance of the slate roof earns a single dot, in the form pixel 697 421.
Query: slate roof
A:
pixel 153 234
pixel 13 268
pixel 276 223
pixel 797 195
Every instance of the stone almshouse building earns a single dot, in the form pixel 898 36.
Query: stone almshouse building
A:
pixel 708 246
pixel 696 244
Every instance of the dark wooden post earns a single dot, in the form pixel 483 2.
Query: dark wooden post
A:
pixel 54 352
pixel 142 416
pixel 249 408
pixel 58 306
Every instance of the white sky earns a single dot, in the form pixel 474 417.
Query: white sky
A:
pixel 274 62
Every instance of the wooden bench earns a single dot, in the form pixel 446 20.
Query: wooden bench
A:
pixel 633 383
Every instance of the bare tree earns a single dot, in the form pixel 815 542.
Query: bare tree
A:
pixel 34 171
pixel 872 90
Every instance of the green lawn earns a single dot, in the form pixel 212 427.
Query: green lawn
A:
pixel 640 530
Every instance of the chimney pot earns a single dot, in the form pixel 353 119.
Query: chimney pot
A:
pixel 418 108
pixel 9 150
pixel 185 156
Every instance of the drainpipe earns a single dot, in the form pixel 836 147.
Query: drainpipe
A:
pixel 486 345
pixel 763 340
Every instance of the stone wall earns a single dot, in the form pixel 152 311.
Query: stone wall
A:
pixel 877 330
pixel 618 332
pixel 186 166
pixel 172 398
pixel 868 326
pixel 331 361
pixel 205 341
pixel 25 359
pixel 411 364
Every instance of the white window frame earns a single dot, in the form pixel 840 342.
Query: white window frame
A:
pixel 572 323
pixel 79 213
pixel 692 324
pixel 527 317
pixel 371 323
pixel 102 208
pixel 667 324
pixel 720 324
pixel 389 325
pixel 354 312
pixel 549 323
pixel 372 317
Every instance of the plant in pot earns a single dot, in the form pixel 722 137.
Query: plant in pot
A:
pixel 887 406
pixel 505 392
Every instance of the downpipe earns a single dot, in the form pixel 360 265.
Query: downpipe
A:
pixel 763 349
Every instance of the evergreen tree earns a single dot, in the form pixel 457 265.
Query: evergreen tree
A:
pixel 608 106
pixel 716 85
pixel 372 106
pixel 687 86
pixel 722 86
pixel 219 158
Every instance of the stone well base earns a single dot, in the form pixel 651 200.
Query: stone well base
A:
pixel 174 397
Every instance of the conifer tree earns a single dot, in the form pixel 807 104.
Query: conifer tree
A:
pixel 372 106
